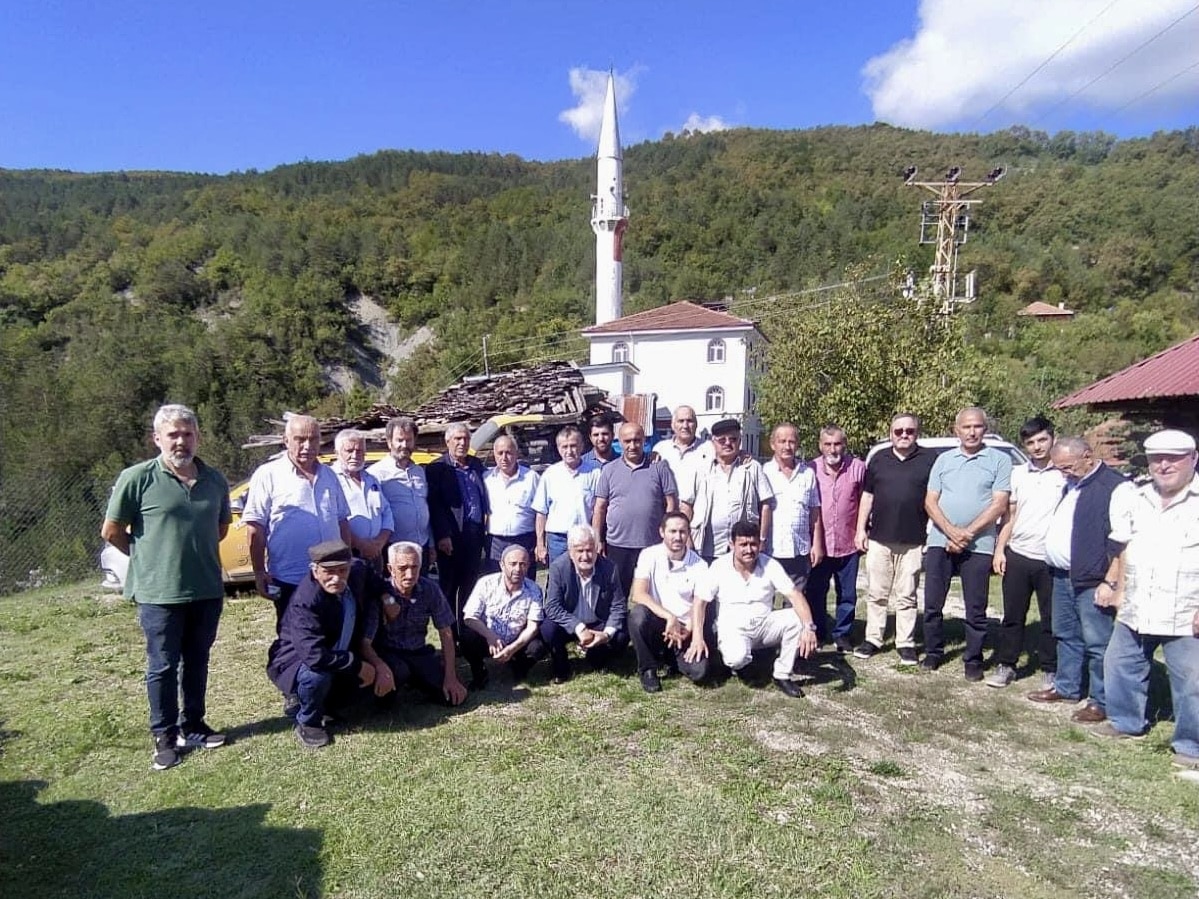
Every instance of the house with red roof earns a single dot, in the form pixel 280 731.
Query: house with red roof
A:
pixel 1043 312
pixel 686 353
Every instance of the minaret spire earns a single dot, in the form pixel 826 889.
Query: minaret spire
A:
pixel 609 215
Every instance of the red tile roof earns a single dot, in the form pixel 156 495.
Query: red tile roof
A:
pixel 1038 309
pixel 681 316
pixel 1173 372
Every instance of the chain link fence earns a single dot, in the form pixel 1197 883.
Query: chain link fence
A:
pixel 50 530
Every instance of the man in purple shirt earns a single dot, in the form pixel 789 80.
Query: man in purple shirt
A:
pixel 839 476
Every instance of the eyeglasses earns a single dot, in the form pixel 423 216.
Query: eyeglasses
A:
pixel 904 432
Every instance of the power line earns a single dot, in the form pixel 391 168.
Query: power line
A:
pixel 1156 87
pixel 1048 59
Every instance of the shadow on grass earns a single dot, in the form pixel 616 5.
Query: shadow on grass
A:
pixel 76 848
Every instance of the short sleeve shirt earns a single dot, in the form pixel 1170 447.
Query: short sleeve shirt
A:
pixel 745 598
pixel 1036 492
pixel 370 512
pixel 511 501
pixel 407 492
pixel 897 488
pixel 566 497
pixel 795 496
pixel 296 513
pixel 672 583
pixel 967 484
pixel 636 498
pixel 409 631
pixel 506 613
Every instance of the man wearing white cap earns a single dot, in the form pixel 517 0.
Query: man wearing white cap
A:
pixel 1154 585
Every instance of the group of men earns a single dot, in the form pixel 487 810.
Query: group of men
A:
pixel 681 552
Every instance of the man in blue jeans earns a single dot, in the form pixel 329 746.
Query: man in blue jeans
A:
pixel 1154 582
pixel 170 515
pixel 1078 553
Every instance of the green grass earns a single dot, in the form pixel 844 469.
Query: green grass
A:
pixel 882 783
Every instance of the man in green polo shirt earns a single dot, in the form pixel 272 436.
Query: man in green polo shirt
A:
pixel 170 515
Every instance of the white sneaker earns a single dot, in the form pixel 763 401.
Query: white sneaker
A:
pixel 1001 676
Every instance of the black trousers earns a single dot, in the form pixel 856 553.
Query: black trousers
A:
pixel 625 560
pixel 974 569
pixel 423 668
pixel 647 632
pixel 457 573
pixel 497 543
pixel 475 651
pixel 558 638
pixel 1022 578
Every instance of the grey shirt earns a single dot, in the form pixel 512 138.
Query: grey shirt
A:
pixel 636 501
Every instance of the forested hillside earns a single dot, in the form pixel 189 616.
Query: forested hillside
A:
pixel 233 293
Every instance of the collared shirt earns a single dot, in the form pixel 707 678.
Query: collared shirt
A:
pixel 511 501
pixel 684 459
pixel 296 513
pixel 1036 492
pixel 1059 536
pixel 672 583
pixel 636 496
pixel 795 496
pixel 174 531
pixel 370 512
pixel 840 498
pixel 565 496
pixel 590 456
pixel 470 486
pixel 719 499
pixel 505 612
pixel 967 484
pixel 898 485
pixel 407 492
pixel 410 628
pixel 1161 558
pixel 745 598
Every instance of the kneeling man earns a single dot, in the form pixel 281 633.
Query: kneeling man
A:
pixel 664 622
pixel 744 583
pixel 395 640
pixel 502 617
pixel 311 659
pixel 583 602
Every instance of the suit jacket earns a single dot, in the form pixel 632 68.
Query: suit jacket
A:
pixel 446 508
pixel 562 594
pixel 311 627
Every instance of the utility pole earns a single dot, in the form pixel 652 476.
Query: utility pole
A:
pixel 948 217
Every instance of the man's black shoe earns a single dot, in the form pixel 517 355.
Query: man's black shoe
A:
pixel 842 644
pixel 650 682
pixel 974 672
pixel 790 687
pixel 312 737
pixel 742 674
pixel 930 663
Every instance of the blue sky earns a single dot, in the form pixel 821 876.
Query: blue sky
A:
pixel 223 86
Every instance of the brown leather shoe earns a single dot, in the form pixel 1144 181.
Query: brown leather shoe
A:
pixel 1089 714
pixel 1050 695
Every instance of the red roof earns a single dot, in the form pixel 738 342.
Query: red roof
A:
pixel 681 316
pixel 1038 309
pixel 1171 373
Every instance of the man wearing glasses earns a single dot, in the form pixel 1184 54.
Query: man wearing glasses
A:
pixel 724 491
pixel 1154 584
pixel 892 527
pixel 1079 555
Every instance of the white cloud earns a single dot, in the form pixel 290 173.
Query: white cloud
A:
pixel 589 87
pixel 964 57
pixel 701 124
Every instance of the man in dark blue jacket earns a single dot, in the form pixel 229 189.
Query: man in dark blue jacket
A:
pixel 1078 552
pixel 313 655
pixel 583 602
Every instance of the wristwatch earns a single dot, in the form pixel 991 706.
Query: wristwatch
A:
pixel 810 626
pixel 1113 584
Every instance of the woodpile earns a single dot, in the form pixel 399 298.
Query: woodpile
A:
pixel 551 388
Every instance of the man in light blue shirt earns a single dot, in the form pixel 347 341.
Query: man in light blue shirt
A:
pixel 371 521
pixel 968 491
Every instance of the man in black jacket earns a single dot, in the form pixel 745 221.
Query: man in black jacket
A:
pixel 583 602
pixel 1078 552
pixel 312 656
pixel 458 510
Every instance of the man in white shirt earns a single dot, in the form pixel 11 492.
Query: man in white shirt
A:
pixel 1154 585
pixel 502 618
pixel 744 583
pixel 371 522
pixel 511 486
pixel 1020 555
pixel 405 486
pixel 565 496
pixel 662 623
pixel 796 534
pixel 684 449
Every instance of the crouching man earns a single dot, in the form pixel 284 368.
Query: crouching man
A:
pixel 583 602
pixel 744 583
pixel 665 624
pixel 502 617
pixel 393 636
pixel 311 661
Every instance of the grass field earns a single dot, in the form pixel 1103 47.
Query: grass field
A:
pixel 883 782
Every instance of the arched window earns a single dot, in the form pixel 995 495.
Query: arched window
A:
pixel 716 350
pixel 714 399
pixel 620 352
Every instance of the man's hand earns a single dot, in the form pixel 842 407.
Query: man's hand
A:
pixel 503 653
pixel 807 642
pixel 999 563
pixel 697 650
pixel 542 553
pixel 384 680
pixel 957 539
pixel 262 583
pixel 452 689
pixel 816 556
pixel 592 638
pixel 366 674
pixel 1107 598
pixel 445 546
pixel 391 611
pixel 859 540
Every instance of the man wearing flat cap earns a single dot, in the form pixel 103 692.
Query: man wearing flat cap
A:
pixel 724 490
pixel 313 661
pixel 1154 585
